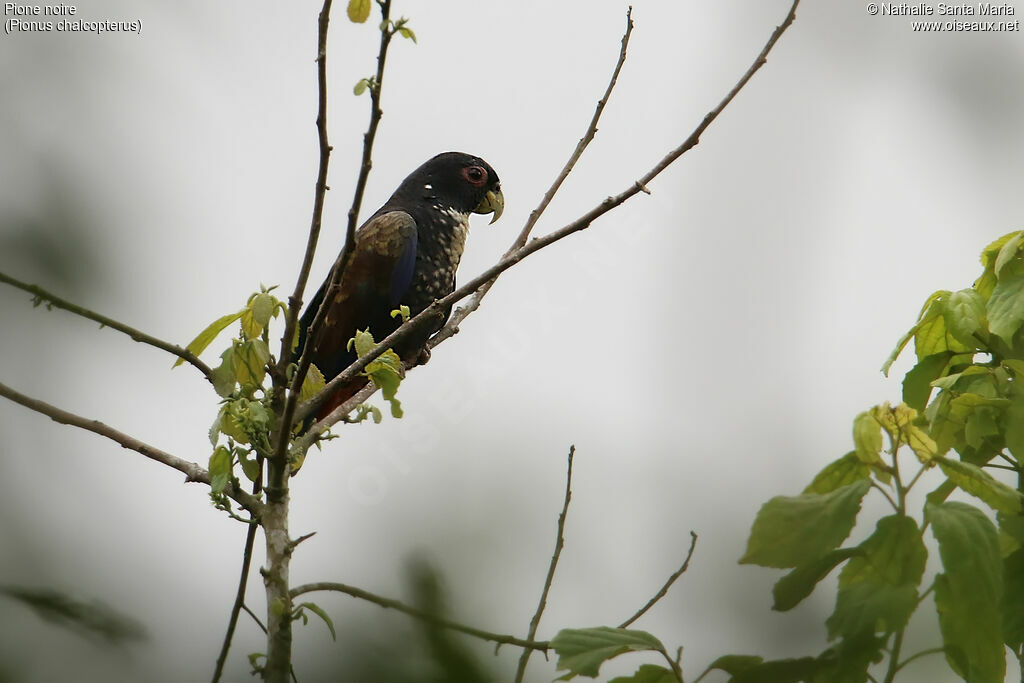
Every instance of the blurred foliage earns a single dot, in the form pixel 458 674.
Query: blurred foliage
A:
pixel 89 619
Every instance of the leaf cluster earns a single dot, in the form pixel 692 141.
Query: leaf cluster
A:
pixel 962 416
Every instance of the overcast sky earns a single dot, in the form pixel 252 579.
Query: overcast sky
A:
pixel 705 347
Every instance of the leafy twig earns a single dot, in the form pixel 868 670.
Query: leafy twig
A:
pixel 537 244
pixel 428 617
pixel 53 300
pixel 559 544
pixel 192 471
pixel 668 584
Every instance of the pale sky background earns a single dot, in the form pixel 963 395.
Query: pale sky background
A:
pixel 705 347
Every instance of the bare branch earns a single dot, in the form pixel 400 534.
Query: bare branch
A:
pixel 319 193
pixel 52 300
pixel 668 584
pixel 388 603
pixel 386 33
pixel 581 223
pixel 559 544
pixel 461 313
pixel 243 581
pixel 192 471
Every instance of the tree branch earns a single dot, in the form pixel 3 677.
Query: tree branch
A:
pixel 388 603
pixel 386 33
pixel 319 193
pixel 559 544
pixel 461 313
pixel 192 471
pixel 53 300
pixel 312 435
pixel 243 581
pixel 581 223
pixel 668 584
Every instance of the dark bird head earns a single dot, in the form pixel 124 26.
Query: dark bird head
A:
pixel 457 181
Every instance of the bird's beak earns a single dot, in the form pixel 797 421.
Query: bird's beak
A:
pixel 493 202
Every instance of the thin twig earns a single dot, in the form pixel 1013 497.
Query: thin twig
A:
pixel 677 671
pixel 192 471
pixel 473 303
pixel 314 433
pixel 428 617
pixel 668 584
pixel 334 280
pixel 254 617
pixel 243 580
pixel 539 243
pixel 559 544
pixel 319 192
pixel 104 321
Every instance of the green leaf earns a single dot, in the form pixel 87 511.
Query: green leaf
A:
pixel 980 483
pixel 583 651
pixel 1013 600
pixel 220 469
pixel 1006 306
pixel 407 33
pixel 965 316
pixel 254 662
pixel 203 339
pixel 792 588
pixel 878 587
pixel 223 376
pixel 358 10
pixel 917 385
pixel 1013 426
pixel 790 531
pixel 734 664
pixel 360 87
pixel 1007 252
pixel 900 345
pixel 647 673
pixel 312 384
pixel 838 473
pixel 968 595
pixel 403 311
pixel 867 439
pixel 250 466
pixel 251 357
pixel 949 414
pixel 317 610
pixel 256 315
pixel 362 342
pixel 386 373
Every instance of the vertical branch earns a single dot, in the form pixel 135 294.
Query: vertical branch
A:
pixel 243 582
pixel 386 33
pixel 320 192
pixel 275 520
pixel 559 544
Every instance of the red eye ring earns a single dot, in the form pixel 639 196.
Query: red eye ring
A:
pixel 475 175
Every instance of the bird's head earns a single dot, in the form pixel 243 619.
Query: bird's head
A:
pixel 460 181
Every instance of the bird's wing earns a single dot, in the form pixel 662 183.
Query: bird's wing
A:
pixel 373 284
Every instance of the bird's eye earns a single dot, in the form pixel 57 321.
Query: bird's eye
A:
pixel 476 175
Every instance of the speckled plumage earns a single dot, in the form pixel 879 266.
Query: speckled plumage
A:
pixel 405 254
